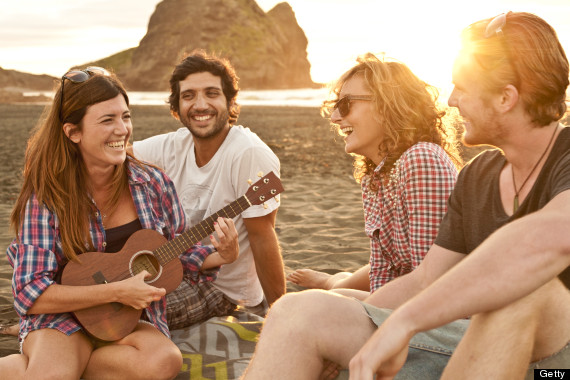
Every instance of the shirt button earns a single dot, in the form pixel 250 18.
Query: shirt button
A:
pixel 104 244
pixel 96 213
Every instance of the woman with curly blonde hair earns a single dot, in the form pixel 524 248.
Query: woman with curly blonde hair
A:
pixel 406 160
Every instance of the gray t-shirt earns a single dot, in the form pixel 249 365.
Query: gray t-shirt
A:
pixel 475 208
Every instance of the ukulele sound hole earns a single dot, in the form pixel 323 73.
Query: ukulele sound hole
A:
pixel 146 261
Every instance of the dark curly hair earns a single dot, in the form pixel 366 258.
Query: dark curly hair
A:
pixel 198 61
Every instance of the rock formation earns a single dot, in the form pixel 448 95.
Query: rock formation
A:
pixel 268 50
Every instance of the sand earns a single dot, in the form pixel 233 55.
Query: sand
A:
pixel 319 224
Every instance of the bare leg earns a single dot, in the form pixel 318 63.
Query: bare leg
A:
pixel 48 354
pixel 501 344
pixel 9 330
pixel 320 280
pixel 143 354
pixel 303 329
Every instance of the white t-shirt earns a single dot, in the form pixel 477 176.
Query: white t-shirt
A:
pixel 203 191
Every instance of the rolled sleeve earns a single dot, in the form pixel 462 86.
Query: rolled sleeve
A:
pixel 32 256
pixel 28 285
pixel 192 262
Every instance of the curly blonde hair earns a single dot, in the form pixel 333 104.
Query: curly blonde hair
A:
pixel 406 109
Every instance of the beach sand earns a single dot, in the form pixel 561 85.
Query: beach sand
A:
pixel 319 224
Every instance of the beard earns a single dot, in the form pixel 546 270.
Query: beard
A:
pixel 219 123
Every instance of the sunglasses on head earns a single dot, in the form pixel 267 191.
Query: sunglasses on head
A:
pixel 79 76
pixel 495 26
pixel 343 104
pixel 495 29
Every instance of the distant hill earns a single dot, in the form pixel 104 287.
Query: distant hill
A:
pixel 268 50
pixel 12 80
pixel 14 83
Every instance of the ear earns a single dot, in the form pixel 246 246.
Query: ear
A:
pixel 509 98
pixel 72 132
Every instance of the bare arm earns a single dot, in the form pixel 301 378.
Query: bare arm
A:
pixel 133 292
pixel 513 262
pixel 267 255
pixel 437 261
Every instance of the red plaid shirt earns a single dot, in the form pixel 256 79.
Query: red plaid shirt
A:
pixel 402 218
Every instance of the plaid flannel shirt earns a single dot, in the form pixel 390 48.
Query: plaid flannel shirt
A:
pixel 38 255
pixel 402 218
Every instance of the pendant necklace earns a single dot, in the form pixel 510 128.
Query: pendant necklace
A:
pixel 516 200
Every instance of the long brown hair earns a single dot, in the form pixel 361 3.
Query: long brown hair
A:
pixel 406 109
pixel 54 169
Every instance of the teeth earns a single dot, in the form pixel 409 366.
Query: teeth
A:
pixel 202 118
pixel 346 130
pixel 116 144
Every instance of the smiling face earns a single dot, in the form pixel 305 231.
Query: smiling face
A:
pixel 203 106
pixel 104 133
pixel 474 105
pixel 363 133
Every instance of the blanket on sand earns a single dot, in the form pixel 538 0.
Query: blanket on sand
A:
pixel 219 348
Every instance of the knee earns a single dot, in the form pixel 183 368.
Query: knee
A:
pixel 299 309
pixel 291 304
pixel 166 363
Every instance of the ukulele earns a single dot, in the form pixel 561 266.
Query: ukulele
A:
pixel 148 250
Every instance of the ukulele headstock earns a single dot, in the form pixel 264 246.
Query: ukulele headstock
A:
pixel 264 189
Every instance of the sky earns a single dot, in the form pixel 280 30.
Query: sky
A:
pixel 49 36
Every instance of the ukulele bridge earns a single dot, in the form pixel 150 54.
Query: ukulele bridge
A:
pixel 145 260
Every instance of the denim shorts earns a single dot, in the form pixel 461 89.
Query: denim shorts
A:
pixel 430 351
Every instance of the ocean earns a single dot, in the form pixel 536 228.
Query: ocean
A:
pixel 305 97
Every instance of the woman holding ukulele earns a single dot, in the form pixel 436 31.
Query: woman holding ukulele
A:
pixel 83 193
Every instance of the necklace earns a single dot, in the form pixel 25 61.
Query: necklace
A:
pixel 516 200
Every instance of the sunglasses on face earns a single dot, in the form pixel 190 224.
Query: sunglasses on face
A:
pixel 343 104
pixel 79 76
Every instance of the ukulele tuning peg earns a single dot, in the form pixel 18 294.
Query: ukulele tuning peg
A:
pixel 277 199
pixel 265 205
pixel 260 174
pixel 249 181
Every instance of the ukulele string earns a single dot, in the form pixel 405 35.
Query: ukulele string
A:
pixel 173 247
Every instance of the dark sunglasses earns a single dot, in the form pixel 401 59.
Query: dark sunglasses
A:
pixel 343 104
pixel 79 76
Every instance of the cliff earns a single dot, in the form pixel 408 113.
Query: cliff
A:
pixel 268 50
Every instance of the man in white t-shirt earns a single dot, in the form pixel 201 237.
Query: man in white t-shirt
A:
pixel 210 162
